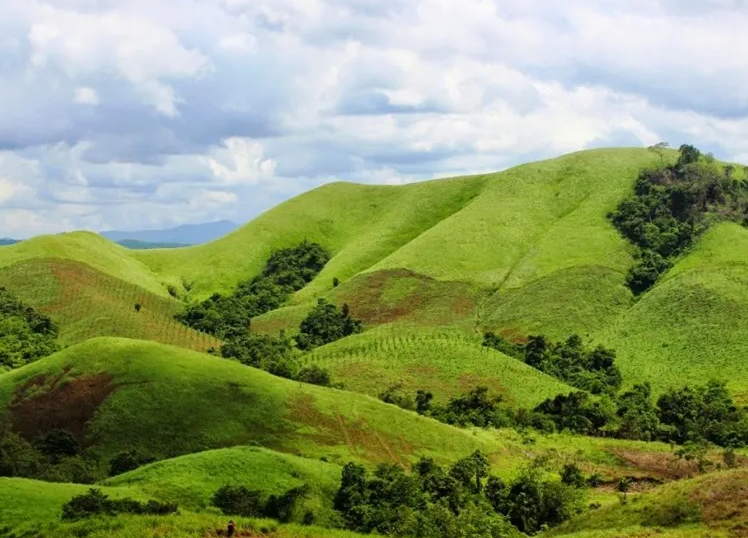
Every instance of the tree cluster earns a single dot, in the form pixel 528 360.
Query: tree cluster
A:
pixel 325 324
pixel 57 457
pixel 286 271
pixel 96 503
pixel 704 414
pixel 460 501
pixel 671 206
pixel 593 370
pixel 242 501
pixel 25 334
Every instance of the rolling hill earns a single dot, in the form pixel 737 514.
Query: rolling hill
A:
pixel 525 251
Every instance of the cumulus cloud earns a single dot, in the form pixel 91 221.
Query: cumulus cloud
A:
pixel 130 114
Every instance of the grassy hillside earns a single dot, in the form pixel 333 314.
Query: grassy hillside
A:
pixel 528 250
pixel 692 325
pixel 359 224
pixel 712 505
pixel 445 363
pixel 169 402
pixel 191 480
pixel 33 508
pixel 86 303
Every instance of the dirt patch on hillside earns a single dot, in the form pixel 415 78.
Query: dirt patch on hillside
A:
pixel 723 501
pixel 661 465
pixel 337 429
pixel 43 404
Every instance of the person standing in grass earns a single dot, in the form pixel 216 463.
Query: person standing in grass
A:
pixel 231 528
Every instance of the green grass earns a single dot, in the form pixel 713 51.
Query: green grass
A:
pixel 192 480
pixel 170 402
pixel 86 303
pixel 33 508
pixel 447 363
pixel 26 501
pixel 714 503
pixel 693 325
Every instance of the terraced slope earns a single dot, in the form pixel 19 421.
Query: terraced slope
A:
pixel 86 303
pixel 445 363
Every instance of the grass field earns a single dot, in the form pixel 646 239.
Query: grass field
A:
pixel 447 363
pixel 694 324
pixel 714 505
pixel 86 303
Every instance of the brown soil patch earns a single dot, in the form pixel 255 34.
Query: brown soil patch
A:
pixel 514 334
pixel 331 430
pixel 43 404
pixel 661 465
pixel 468 381
pixel 724 500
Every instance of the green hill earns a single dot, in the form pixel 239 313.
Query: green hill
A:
pixel 711 505
pixel 118 394
pixel 525 251
pixel 447 364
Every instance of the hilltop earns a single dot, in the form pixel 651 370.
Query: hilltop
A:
pixel 521 252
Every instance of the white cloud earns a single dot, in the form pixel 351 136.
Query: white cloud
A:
pixel 238 43
pixel 240 161
pixel 86 96
pixel 119 113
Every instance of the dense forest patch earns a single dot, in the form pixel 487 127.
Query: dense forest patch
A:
pixel 25 334
pixel 671 206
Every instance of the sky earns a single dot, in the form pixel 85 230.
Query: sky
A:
pixel 137 114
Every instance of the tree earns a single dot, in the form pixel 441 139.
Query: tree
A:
pixel 423 401
pixel 325 324
pixel 127 461
pixel 57 445
pixel 239 501
pixel 571 475
pixel 659 149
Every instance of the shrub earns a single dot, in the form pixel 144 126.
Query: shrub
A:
pixel 128 461
pixel 95 502
pixel 325 324
pixel 239 501
pixel 314 375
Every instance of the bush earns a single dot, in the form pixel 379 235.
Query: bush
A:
pixel 239 501
pixel 325 324
pixel 314 375
pixel 57 445
pixel 95 502
pixel 128 461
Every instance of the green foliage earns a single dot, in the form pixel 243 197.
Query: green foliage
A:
pixel 239 501
pixel 25 334
pixel 460 501
pixel 706 413
pixel 95 503
pixel 274 355
pixel 127 461
pixel 18 457
pixel 670 208
pixel 571 475
pixel 286 271
pixel 325 324
pixel 499 343
pixel 242 501
pixel 57 445
pixel 593 370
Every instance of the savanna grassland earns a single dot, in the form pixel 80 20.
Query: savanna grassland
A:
pixel 557 349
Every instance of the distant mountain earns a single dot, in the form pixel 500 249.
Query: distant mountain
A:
pixel 187 234
pixel 142 245
pixel 7 241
